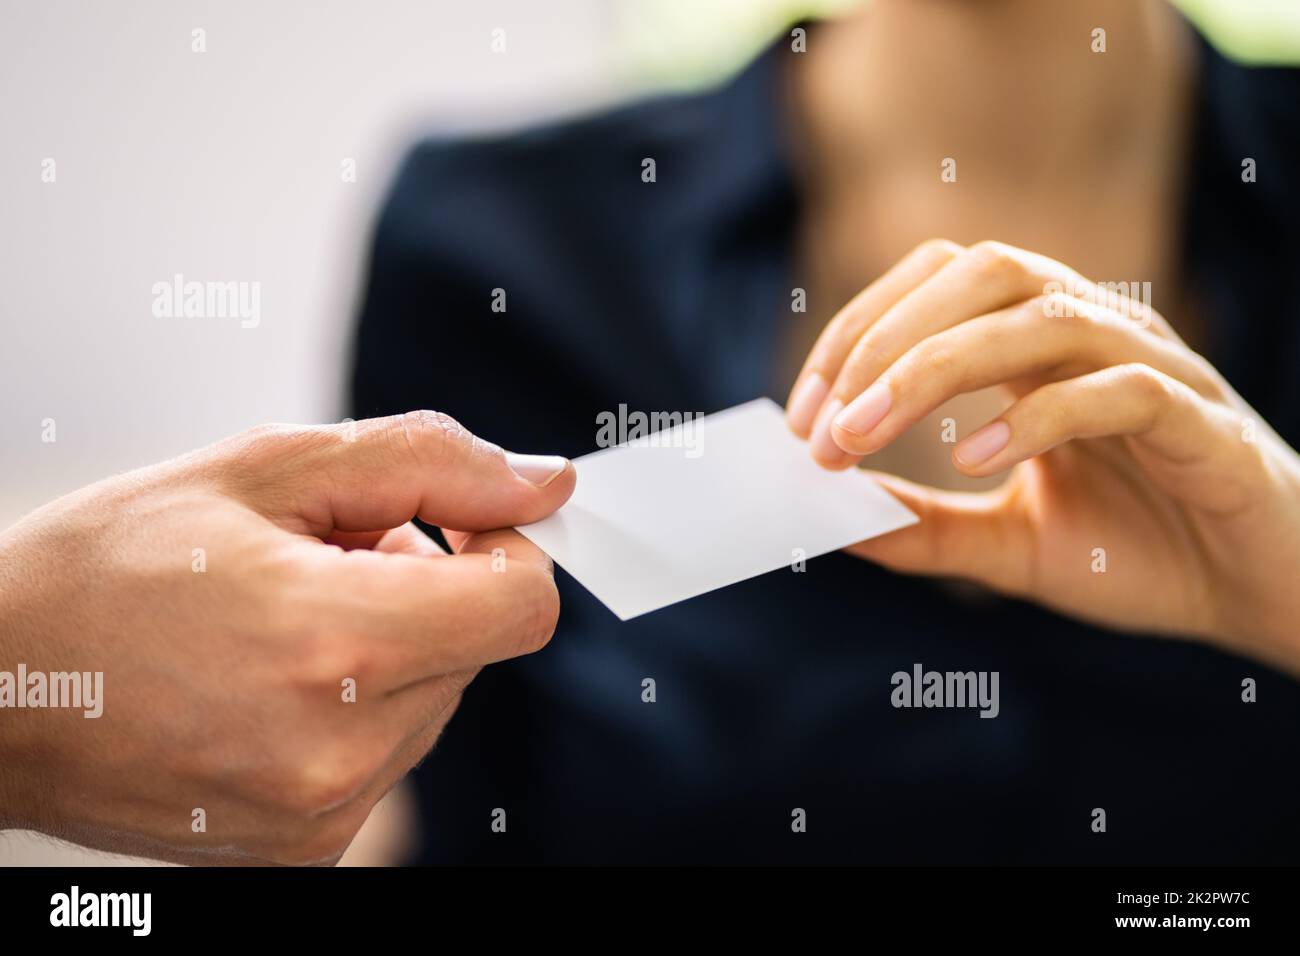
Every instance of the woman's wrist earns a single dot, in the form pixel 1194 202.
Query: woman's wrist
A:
pixel 1259 617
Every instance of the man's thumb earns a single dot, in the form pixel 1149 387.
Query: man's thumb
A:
pixel 381 472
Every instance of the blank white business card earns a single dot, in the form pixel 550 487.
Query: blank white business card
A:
pixel 707 503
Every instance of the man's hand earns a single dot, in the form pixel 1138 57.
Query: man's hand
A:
pixel 279 644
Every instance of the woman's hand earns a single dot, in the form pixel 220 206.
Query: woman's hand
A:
pixel 1146 495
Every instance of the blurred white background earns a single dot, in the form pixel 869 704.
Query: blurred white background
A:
pixel 226 166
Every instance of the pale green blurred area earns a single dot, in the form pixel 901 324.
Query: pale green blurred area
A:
pixel 1254 31
pixel 687 43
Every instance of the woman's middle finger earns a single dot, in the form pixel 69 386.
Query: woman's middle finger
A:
pixel 985 278
pixel 1047 338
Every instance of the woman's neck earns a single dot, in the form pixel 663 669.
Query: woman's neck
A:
pixel 1076 154
pixel 1002 79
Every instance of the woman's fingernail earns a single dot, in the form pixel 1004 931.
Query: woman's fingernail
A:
pixel 865 412
pixel 984 444
pixel 541 470
pixel 823 445
pixel 807 398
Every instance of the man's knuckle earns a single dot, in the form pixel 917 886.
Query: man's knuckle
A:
pixel 270 441
pixel 431 437
pixel 329 655
pixel 539 611
pixel 328 777
pixel 266 433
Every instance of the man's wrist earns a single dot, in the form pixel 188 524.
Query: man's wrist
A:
pixel 19 747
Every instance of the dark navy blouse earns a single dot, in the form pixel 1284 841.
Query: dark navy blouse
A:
pixel 775 694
